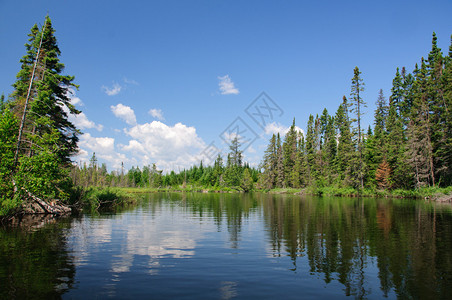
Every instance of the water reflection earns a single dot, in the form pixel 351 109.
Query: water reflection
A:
pixel 34 262
pixel 350 240
pixel 401 247
pixel 224 245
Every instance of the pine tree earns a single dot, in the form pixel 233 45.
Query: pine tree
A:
pixel 396 139
pixel 345 146
pixel 328 146
pixel 357 105
pixel 420 148
pixel 269 165
pixel 247 181
pixel 407 96
pixel 217 170
pixel 236 153
pixel 312 147
pixel 370 160
pixel 47 90
pixel 397 92
pixel 446 83
pixel 279 163
pixel 46 138
pixel 303 162
pixel 296 172
pixel 380 117
pixel 439 114
pixel 289 148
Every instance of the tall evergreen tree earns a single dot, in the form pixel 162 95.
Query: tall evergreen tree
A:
pixel 357 106
pixel 435 66
pixel 279 163
pixel 269 164
pixel 380 117
pixel 289 152
pixel 420 148
pixel 41 81
pixel 446 83
pixel 45 138
pixel 311 149
pixel 345 146
pixel 236 153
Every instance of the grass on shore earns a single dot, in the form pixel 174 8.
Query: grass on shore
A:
pixel 94 198
pixel 427 192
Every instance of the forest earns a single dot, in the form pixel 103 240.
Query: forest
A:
pixel 409 146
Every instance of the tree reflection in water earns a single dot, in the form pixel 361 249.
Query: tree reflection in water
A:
pixel 34 262
pixel 405 242
pixel 400 247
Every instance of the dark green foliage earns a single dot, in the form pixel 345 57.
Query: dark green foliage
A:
pixel 8 135
pixel 38 138
pixel 410 146
pixel 49 94
pixel 357 105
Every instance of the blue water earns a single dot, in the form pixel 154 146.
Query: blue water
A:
pixel 197 246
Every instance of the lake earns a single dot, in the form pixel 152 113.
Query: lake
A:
pixel 235 246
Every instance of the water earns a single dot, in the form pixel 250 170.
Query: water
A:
pixel 234 246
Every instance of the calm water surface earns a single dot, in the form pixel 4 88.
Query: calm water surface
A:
pixel 226 246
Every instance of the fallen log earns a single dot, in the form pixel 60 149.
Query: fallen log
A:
pixel 36 205
pixel 46 208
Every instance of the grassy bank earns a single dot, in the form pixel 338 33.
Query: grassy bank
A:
pixel 432 193
pixel 93 198
pixel 190 188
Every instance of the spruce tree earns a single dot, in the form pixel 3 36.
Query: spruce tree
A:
pixel 41 81
pixel 439 114
pixel 289 152
pixel 357 106
pixel 311 148
pixel 420 148
pixel 46 138
pixel 345 161
pixel 279 163
pixel 446 83
pixel 297 171
pixel 269 165
pixel 380 119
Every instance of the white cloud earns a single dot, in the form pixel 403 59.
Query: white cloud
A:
pixel 125 113
pixel 229 136
pixel 113 90
pixel 157 113
pixel 76 100
pixel 227 86
pixel 81 121
pixel 274 128
pixel 134 146
pixel 130 81
pixel 170 147
pixel 250 149
pixel 103 144
pixel 104 147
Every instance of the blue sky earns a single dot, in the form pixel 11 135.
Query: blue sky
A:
pixel 160 81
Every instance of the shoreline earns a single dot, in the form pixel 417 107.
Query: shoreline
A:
pixel 442 195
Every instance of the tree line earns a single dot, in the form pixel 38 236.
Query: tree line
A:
pixel 234 174
pixel 409 146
